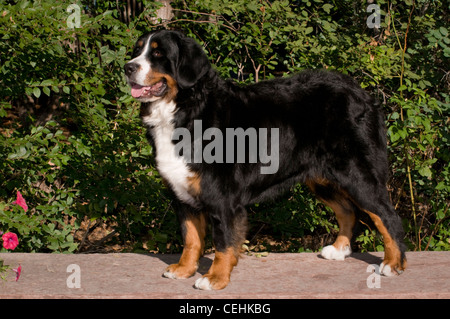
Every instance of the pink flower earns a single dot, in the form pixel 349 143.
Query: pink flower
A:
pixel 21 201
pixel 18 270
pixel 10 241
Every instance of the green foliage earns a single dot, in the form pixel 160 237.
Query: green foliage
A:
pixel 93 161
pixel 87 158
pixel 296 214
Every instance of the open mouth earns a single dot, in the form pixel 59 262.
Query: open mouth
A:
pixel 157 89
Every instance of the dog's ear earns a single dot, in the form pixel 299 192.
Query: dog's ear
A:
pixel 192 63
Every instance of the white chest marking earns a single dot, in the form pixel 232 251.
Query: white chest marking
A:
pixel 171 167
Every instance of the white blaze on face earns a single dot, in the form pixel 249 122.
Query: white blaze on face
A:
pixel 139 89
pixel 144 67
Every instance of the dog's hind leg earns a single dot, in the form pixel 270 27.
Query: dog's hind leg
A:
pixel 346 220
pixel 373 199
pixel 344 209
pixel 389 225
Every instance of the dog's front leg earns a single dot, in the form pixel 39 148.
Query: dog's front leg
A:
pixel 193 229
pixel 229 227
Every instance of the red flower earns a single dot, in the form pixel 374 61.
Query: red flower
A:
pixel 18 271
pixel 21 201
pixel 10 241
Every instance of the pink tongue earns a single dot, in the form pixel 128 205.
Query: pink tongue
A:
pixel 137 90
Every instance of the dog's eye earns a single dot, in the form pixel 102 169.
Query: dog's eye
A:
pixel 156 53
pixel 136 52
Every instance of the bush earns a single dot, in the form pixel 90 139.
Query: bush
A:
pixel 91 160
pixel 71 140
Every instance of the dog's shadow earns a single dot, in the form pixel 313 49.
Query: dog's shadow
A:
pixel 368 258
pixel 205 262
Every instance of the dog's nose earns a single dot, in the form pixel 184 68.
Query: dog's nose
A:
pixel 130 68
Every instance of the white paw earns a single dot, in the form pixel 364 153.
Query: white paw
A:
pixel 386 270
pixel 169 274
pixel 203 284
pixel 330 252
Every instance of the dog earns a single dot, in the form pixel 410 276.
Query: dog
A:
pixel 325 132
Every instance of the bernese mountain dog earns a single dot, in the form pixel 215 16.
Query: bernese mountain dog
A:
pixel 212 139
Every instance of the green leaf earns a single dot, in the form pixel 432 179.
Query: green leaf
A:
pixel 252 6
pixel 441 186
pixel 66 89
pixel 327 7
pixel 46 90
pixel 47 82
pixel 425 171
pixel 308 30
pixel 37 92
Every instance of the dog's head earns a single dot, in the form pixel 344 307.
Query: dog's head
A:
pixel 162 63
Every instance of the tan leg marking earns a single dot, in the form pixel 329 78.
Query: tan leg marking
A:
pixel 193 249
pixel 219 274
pixel 346 220
pixel 392 254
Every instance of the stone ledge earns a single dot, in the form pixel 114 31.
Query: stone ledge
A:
pixel 278 276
